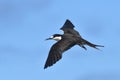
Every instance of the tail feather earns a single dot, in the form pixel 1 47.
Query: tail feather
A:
pixel 92 45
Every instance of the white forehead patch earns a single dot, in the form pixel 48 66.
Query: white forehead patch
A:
pixel 51 37
pixel 57 38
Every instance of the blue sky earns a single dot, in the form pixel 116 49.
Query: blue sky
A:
pixel 25 24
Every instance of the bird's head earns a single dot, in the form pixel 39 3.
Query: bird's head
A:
pixel 56 37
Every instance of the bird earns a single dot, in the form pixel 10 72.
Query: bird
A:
pixel 65 41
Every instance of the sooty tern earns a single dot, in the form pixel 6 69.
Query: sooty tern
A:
pixel 64 42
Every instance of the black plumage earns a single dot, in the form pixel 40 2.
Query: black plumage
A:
pixel 69 39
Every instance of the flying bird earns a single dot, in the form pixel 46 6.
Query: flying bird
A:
pixel 65 41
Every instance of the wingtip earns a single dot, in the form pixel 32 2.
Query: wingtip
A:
pixel 67 20
pixel 67 24
pixel 45 67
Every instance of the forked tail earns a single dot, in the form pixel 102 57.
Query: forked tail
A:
pixel 85 42
pixel 92 45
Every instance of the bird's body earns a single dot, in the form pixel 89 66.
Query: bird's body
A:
pixel 64 42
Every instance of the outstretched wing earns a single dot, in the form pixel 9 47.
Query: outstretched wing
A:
pixel 56 51
pixel 68 28
pixel 68 24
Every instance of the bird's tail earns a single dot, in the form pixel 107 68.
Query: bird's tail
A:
pixel 92 45
pixel 85 42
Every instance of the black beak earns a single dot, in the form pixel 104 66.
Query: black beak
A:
pixel 48 39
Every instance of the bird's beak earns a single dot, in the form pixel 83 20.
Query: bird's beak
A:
pixel 48 39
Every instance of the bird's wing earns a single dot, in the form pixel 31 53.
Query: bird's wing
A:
pixel 56 51
pixel 68 28
pixel 68 24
